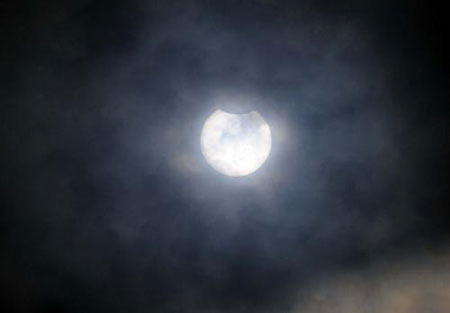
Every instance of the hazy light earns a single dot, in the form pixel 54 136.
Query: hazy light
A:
pixel 236 144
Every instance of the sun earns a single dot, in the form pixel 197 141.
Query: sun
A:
pixel 236 144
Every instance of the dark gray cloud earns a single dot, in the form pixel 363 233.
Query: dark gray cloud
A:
pixel 110 206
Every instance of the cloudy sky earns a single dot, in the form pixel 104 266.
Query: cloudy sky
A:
pixel 107 204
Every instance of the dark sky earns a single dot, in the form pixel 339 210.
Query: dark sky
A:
pixel 107 204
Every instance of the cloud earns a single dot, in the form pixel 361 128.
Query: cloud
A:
pixel 415 284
